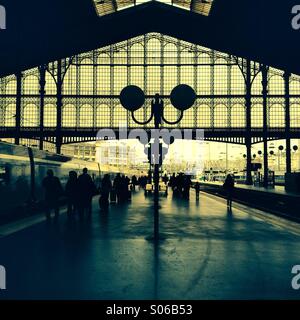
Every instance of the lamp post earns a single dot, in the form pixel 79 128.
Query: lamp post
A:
pixel 132 98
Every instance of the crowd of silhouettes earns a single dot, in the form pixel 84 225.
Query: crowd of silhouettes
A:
pixel 121 188
pixel 80 190
pixel 142 181
pixel 181 185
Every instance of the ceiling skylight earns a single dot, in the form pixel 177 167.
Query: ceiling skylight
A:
pixel 104 7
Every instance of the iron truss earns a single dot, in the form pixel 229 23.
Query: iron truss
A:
pixel 69 100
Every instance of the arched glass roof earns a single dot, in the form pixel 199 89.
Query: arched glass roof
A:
pixel 104 7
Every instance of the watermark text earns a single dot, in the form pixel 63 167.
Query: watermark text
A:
pixel 2 18
pixel 2 278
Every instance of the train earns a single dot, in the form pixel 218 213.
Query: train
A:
pixel 22 170
pixel 240 177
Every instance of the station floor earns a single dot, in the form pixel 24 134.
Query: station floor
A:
pixel 207 253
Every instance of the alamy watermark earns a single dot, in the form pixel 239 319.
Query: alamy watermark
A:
pixel 2 18
pixel 155 141
pixel 296 279
pixel 2 278
pixel 296 17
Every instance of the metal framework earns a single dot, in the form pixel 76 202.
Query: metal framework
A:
pixel 69 100
pixel 105 7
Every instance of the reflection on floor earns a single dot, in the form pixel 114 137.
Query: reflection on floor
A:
pixel 207 253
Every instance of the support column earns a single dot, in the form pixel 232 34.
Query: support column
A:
pixel 18 107
pixel 287 122
pixel 42 70
pixel 264 71
pixel 248 138
pixel 59 107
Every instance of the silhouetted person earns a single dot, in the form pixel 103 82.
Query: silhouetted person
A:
pixel 106 187
pixel 172 181
pixel 229 187
pixel 71 192
pixel 179 185
pixel 86 191
pixel 186 187
pixel 53 191
pixel 165 179
pixel 197 190
pixel 117 187
pixel 143 182
pixel 134 182
pixel 125 188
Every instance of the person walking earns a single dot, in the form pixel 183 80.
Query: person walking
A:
pixel 71 192
pixel 117 187
pixel 86 191
pixel 106 187
pixel 229 187
pixel 53 191
pixel 134 182
pixel 197 190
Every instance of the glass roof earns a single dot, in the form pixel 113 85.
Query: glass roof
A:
pixel 104 7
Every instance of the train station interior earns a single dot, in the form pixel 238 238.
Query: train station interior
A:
pixel 82 84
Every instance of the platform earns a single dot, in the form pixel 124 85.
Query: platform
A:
pixel 208 253
pixel 273 200
pixel 277 190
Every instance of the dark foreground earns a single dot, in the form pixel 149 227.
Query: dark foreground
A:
pixel 207 253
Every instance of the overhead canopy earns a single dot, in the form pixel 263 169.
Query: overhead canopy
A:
pixel 104 7
pixel 42 31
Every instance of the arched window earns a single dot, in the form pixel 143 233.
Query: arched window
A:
pixel 276 85
pixel 103 74
pixel 70 81
pixel 257 85
pixel 86 77
pixel 295 115
pixel 238 116
pixel 221 77
pixel 171 114
pixel 50 115
pixel 257 116
pixel 154 47
pixel 86 116
pixel 10 115
pixel 139 115
pixel 31 85
pixel 137 76
pixel 188 119
pixel 220 116
pixel 11 87
pixel 103 116
pixel 2 115
pixel 119 71
pixel 137 53
pixel 50 86
pixel 119 116
pixel 30 116
pixel 295 87
pixel 277 116
pixel 69 116
pixel 204 75
pixel 170 69
pixel 203 116
pixel 237 81
pixel 187 68
pixel 154 70
pixel 137 70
